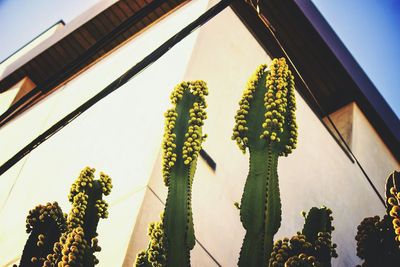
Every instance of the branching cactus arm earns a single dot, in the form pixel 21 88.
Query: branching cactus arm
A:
pixel 58 240
pixel 155 255
pixel 45 223
pixel 318 230
pixel 312 247
pixel 87 209
pixel 265 124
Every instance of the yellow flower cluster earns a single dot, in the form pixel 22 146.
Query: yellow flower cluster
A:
pixel 155 255
pixel 301 260
pixel 394 205
pixel 42 213
pixel 193 92
pixel 84 181
pixel 79 196
pixel 70 249
pixel 169 146
pixel 282 252
pixel 78 210
pixel 102 208
pixel 193 136
pixel 141 259
pixel 240 129
pixel 105 182
pixel 280 103
pixel 279 126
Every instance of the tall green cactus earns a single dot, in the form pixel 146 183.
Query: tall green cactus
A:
pixel 378 240
pixel 265 124
pixel 312 247
pixel 68 241
pixel 181 146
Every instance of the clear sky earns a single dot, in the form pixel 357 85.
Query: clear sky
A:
pixel 369 28
pixel 23 20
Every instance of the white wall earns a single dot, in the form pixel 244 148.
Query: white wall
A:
pixel 371 151
pixel 365 143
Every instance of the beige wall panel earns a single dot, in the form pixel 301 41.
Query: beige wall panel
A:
pixel 371 151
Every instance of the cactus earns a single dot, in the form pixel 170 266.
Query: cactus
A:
pixel 312 247
pixel 265 124
pixel 181 146
pixel 45 223
pixel 376 243
pixel 155 255
pixel 393 201
pixel 378 239
pixel 68 240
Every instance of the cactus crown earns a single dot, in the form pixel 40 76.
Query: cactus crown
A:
pixel 155 255
pixel 86 199
pixel 312 247
pixel 43 213
pixel 185 95
pixel 80 242
pixel 393 201
pixel 45 223
pixel 267 109
pixel 58 240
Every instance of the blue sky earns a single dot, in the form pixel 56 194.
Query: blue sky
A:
pixel 369 28
pixel 22 20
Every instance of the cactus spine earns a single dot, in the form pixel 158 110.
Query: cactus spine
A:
pixel 312 247
pixel 265 124
pixel 378 240
pixel 68 240
pixel 181 145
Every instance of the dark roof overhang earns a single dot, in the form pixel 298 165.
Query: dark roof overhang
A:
pixel 79 44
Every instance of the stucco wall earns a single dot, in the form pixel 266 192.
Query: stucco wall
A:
pixel 372 153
